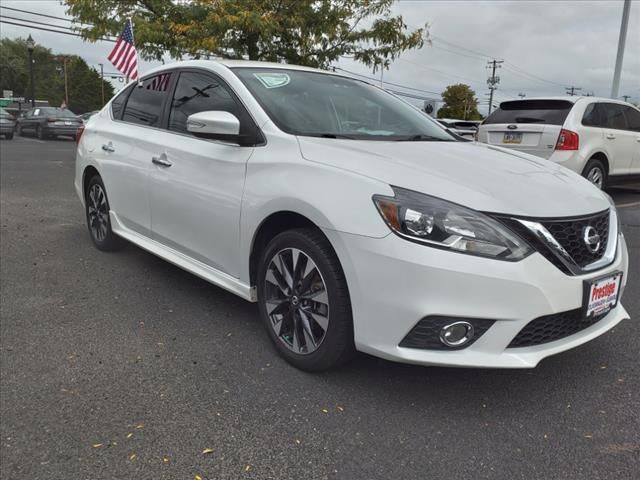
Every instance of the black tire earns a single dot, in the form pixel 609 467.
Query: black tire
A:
pixel 596 173
pixel 19 131
pixel 336 345
pixel 98 221
pixel 40 133
pixel 9 136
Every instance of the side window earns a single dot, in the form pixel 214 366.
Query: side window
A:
pixel 633 119
pixel 35 113
pixel 592 116
pixel 199 92
pixel 614 116
pixel 144 105
pixel 118 103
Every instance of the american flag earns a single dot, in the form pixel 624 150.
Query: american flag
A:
pixel 124 56
pixel 159 82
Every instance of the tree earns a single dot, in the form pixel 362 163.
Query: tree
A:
pixel 305 32
pixel 459 102
pixel 85 92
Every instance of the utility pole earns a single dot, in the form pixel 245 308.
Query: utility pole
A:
pixel 626 97
pixel 522 95
pixel 31 44
pixel 66 82
pixel 615 87
pixel 102 81
pixel 572 90
pixel 493 81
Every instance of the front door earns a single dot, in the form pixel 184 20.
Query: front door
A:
pixel 195 184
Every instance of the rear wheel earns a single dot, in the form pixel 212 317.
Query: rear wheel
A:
pixel 304 301
pixel 98 221
pixel 596 173
pixel 19 131
pixel 39 133
pixel 9 136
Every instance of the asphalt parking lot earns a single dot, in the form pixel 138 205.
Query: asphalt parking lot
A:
pixel 121 366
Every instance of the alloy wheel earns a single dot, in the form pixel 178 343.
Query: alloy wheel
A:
pixel 296 300
pixel 596 177
pixel 97 212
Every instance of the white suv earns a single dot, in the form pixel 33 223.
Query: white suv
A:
pixel 353 220
pixel 596 137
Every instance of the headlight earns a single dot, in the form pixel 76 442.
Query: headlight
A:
pixel 443 224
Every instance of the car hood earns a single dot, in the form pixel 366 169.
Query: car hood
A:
pixel 479 176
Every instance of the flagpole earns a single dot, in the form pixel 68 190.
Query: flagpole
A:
pixel 133 39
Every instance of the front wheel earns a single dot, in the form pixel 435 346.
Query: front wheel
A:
pixel 304 300
pixel 39 133
pixel 98 221
pixel 596 173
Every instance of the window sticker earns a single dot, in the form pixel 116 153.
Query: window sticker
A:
pixel 273 80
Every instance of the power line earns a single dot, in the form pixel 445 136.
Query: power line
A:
pixel 42 15
pixel 388 83
pixel 572 90
pixel 51 30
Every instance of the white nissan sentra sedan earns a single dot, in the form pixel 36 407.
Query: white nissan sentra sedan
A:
pixel 354 220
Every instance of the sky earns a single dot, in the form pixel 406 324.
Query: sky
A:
pixel 546 46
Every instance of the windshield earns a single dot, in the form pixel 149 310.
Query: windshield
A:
pixel 323 105
pixel 58 112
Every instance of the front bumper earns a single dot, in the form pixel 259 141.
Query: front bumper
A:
pixel 394 283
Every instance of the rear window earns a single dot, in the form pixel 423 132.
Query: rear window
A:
pixel 58 112
pixel 551 112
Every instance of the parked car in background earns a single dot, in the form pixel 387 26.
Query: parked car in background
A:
pixel 596 137
pixel 48 122
pixel 351 230
pixel 86 116
pixel 465 128
pixel 7 124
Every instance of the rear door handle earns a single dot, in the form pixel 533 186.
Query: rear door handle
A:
pixel 108 147
pixel 161 160
pixel 610 136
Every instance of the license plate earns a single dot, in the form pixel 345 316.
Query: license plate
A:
pixel 512 138
pixel 67 123
pixel 602 294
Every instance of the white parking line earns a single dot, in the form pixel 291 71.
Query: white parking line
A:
pixel 30 139
pixel 628 205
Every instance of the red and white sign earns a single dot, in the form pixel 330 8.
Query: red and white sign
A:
pixel 603 294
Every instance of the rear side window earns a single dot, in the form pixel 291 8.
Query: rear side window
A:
pixel 144 105
pixel 199 92
pixel 118 103
pixel 633 119
pixel 551 112
pixel 593 116
pixel 613 116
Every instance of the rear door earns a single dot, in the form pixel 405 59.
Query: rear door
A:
pixel 620 141
pixel 531 126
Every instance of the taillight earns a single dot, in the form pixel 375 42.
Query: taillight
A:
pixel 79 133
pixel 568 140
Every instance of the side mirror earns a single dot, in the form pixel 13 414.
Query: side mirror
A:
pixel 215 124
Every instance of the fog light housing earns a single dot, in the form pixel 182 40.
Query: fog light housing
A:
pixel 456 334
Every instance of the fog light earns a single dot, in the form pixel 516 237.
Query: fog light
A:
pixel 456 334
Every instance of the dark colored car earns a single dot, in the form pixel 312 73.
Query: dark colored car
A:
pixel 7 124
pixel 86 116
pixel 49 122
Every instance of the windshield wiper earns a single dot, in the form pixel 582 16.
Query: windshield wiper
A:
pixel 328 135
pixel 423 138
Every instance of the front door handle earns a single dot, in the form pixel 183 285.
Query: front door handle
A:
pixel 161 160
pixel 108 147
pixel 610 136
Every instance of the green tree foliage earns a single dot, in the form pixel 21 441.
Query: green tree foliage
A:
pixel 306 32
pixel 84 83
pixel 459 102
